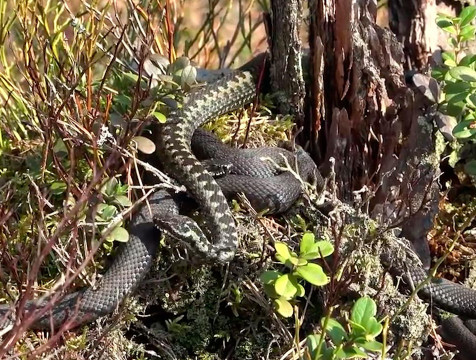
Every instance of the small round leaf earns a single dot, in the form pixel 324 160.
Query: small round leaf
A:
pixel 463 130
pixel 306 243
pixel 282 250
pixel 283 307
pixel 335 331
pixel 119 234
pixel 363 309
pixel 269 276
pixel 144 144
pixel 286 286
pixel 463 73
pixel 159 116
pixel 313 274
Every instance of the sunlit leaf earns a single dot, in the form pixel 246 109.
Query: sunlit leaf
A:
pixel 119 234
pixel 58 188
pixel 363 309
pixel 286 286
pixel 307 242
pixel 283 307
pixel 467 15
pixel 282 250
pixel 463 73
pixel 463 129
pixel 313 274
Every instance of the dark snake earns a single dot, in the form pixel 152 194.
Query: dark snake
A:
pixel 219 240
pixel 268 190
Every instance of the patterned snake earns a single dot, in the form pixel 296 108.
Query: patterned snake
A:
pixel 217 240
pixel 260 182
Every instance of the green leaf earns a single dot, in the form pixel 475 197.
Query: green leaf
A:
pixel 455 109
pixel 467 60
pixel 471 100
pixel 312 343
pixel 352 353
pixel 373 328
pixel 269 276
pixel 453 43
pixel 323 247
pixel 294 260
pixel 358 330
pixel 160 117
pixel 456 98
pixel 449 55
pixel 363 309
pixel 306 243
pixel 470 167
pixel 123 100
pixel 313 274
pixel 300 291
pixel 133 78
pixel 270 291
pixel 335 331
pixel 109 187
pixel 119 234
pixel 282 250
pixel 282 260
pixel 463 73
pixel 58 188
pixel 439 73
pixel 283 307
pixel 123 200
pixel 286 286
pixel 449 58
pixel 467 15
pixel 447 25
pixel 372 346
pixel 463 129
pixel 467 33
pixel 456 87
pixel 108 212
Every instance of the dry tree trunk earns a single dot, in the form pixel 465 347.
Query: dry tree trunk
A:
pixel 367 113
pixel 375 127
pixel 363 114
pixel 286 70
pixel 414 24
pixel 363 90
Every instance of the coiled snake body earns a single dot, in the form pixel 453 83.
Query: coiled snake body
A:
pixel 218 240
pixel 275 192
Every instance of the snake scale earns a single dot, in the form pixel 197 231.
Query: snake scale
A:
pixel 218 239
pixel 269 190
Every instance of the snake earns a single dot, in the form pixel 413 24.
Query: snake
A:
pixel 270 190
pixel 217 238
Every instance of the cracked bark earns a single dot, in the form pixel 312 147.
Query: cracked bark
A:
pixel 414 24
pixel 364 109
pixel 286 70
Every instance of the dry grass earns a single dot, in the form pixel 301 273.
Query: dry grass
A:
pixel 74 94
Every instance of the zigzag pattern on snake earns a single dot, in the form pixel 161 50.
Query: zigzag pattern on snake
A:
pixel 219 239
pixel 275 193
